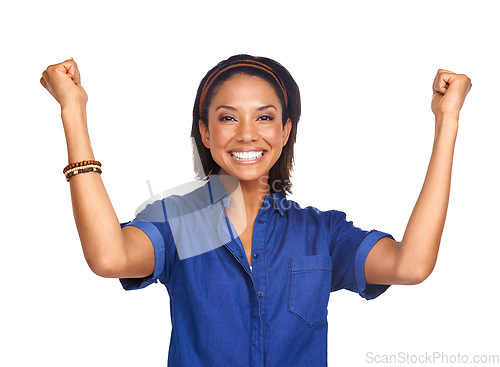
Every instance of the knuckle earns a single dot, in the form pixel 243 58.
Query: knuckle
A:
pixel 464 77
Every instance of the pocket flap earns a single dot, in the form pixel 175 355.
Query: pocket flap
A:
pixel 314 262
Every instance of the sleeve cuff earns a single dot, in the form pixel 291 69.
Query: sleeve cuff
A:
pixel 159 249
pixel 368 291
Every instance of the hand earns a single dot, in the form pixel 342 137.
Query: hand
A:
pixel 449 92
pixel 63 82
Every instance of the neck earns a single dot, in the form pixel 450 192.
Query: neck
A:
pixel 247 197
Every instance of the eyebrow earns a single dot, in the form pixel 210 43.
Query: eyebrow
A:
pixel 258 109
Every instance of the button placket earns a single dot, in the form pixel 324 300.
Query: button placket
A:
pixel 258 230
pixel 258 244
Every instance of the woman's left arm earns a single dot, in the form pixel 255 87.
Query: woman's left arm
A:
pixel 412 260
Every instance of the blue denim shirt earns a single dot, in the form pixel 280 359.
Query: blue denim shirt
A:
pixel 225 314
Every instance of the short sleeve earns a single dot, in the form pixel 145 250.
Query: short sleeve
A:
pixel 349 248
pixel 152 221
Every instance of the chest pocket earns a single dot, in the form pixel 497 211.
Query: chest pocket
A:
pixel 310 279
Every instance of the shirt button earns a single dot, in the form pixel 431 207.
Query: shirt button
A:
pixel 261 221
pixel 256 255
pixel 261 294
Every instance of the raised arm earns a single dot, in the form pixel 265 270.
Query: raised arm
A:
pixel 110 251
pixel 412 260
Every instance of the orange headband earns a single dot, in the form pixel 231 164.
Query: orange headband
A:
pixel 250 63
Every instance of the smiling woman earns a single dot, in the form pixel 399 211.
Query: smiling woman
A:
pixel 245 134
pixel 271 82
pixel 249 272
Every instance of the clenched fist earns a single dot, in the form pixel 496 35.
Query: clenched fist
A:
pixel 63 82
pixel 449 92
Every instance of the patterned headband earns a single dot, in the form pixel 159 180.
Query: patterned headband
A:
pixel 250 63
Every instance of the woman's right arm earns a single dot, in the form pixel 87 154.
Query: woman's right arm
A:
pixel 110 251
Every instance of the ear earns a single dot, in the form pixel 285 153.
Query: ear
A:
pixel 286 131
pixel 205 134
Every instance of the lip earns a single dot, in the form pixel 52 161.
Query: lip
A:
pixel 243 163
pixel 247 149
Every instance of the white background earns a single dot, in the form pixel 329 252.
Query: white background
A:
pixel 365 72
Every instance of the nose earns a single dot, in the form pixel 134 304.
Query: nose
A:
pixel 247 130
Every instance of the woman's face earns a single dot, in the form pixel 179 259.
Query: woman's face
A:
pixel 245 132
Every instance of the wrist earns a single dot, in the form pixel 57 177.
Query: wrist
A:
pixel 73 107
pixel 447 121
pixel 73 115
pixel 446 127
pixel 78 144
pixel 448 116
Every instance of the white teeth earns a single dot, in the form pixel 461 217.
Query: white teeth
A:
pixel 247 156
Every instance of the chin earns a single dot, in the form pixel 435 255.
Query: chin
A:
pixel 250 171
pixel 246 174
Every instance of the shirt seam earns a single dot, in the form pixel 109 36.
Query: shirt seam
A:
pixel 354 264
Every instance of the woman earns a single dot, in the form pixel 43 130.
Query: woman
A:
pixel 248 271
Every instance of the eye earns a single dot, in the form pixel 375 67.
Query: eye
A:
pixel 226 118
pixel 266 118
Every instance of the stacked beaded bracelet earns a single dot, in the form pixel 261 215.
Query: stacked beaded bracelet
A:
pixel 73 169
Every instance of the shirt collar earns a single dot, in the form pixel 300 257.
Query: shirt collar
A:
pixel 280 202
pixel 215 192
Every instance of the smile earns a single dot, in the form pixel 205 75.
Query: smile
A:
pixel 247 156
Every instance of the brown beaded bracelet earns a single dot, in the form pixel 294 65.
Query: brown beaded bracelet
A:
pixel 80 167
pixel 84 169
pixel 81 164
